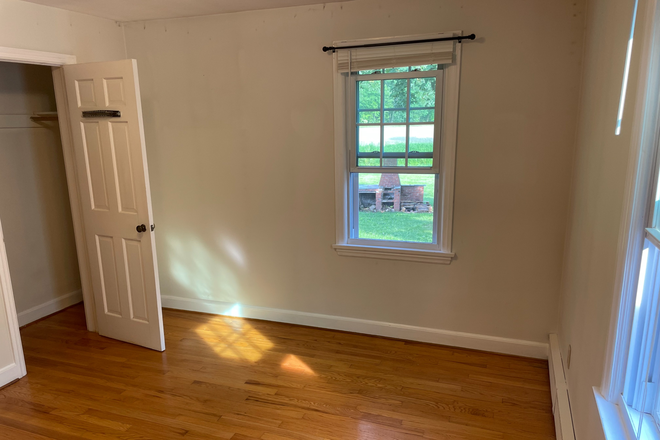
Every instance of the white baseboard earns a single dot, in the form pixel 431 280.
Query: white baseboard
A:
pixel 50 307
pixel 561 405
pixel 400 331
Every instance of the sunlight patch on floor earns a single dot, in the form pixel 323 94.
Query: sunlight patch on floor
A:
pixel 294 364
pixel 234 339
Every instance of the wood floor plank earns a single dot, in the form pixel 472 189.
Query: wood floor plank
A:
pixel 241 379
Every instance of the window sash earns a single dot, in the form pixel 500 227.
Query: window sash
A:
pixel 352 124
pixel 641 386
pixel 641 395
pixel 353 227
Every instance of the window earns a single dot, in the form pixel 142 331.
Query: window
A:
pixel 632 383
pixel 640 397
pixel 395 136
pixel 628 399
pixel 395 150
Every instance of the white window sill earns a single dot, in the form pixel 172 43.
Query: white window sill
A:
pixel 611 418
pixel 388 253
pixel 614 423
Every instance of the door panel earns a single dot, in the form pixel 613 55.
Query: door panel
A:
pixel 135 273
pixel 121 148
pixel 94 165
pixel 112 172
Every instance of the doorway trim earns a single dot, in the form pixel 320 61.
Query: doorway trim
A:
pixel 17 369
pixel 25 56
pixel 56 61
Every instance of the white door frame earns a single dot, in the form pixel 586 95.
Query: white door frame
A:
pixel 8 374
pixel 56 61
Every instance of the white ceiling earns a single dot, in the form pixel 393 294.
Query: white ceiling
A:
pixel 137 10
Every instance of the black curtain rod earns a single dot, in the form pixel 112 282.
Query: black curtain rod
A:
pixel 395 43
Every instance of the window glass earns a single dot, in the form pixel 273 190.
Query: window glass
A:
pixel 424 68
pixel 369 141
pixel 656 207
pixel 394 145
pixel 643 367
pixel 395 207
pixel 422 93
pixel 420 146
pixel 403 112
pixel 369 95
pixel 396 94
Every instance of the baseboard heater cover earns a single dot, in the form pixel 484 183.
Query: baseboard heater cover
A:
pixel 561 404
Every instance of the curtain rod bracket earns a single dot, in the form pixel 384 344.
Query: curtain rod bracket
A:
pixel 458 38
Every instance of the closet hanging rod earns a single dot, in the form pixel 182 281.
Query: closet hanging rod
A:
pixel 458 38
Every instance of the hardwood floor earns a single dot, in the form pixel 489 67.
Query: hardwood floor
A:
pixel 242 379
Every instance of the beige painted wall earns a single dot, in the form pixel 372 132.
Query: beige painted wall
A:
pixel 29 26
pixel 596 203
pixel 239 128
pixel 34 202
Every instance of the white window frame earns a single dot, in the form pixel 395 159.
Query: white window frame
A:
pixel 445 160
pixel 641 183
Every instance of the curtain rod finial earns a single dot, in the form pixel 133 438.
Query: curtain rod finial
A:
pixel 328 48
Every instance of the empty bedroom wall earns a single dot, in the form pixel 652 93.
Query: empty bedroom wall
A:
pixel 238 113
pixel 29 26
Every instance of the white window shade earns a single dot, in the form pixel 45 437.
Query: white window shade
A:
pixel 400 55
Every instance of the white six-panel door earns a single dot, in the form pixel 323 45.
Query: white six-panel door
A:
pixel 112 174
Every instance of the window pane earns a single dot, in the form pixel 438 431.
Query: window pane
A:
pixel 395 207
pixel 373 162
pixel 632 387
pixel 422 92
pixel 643 366
pixel 397 69
pixel 428 163
pixel 422 115
pixel 656 208
pixel 395 116
pixel 396 93
pixel 421 142
pixel 369 95
pixel 394 146
pixel 369 72
pixel 424 68
pixel 369 117
pixel 368 139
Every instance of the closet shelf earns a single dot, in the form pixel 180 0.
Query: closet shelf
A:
pixel 35 120
pixel 44 116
